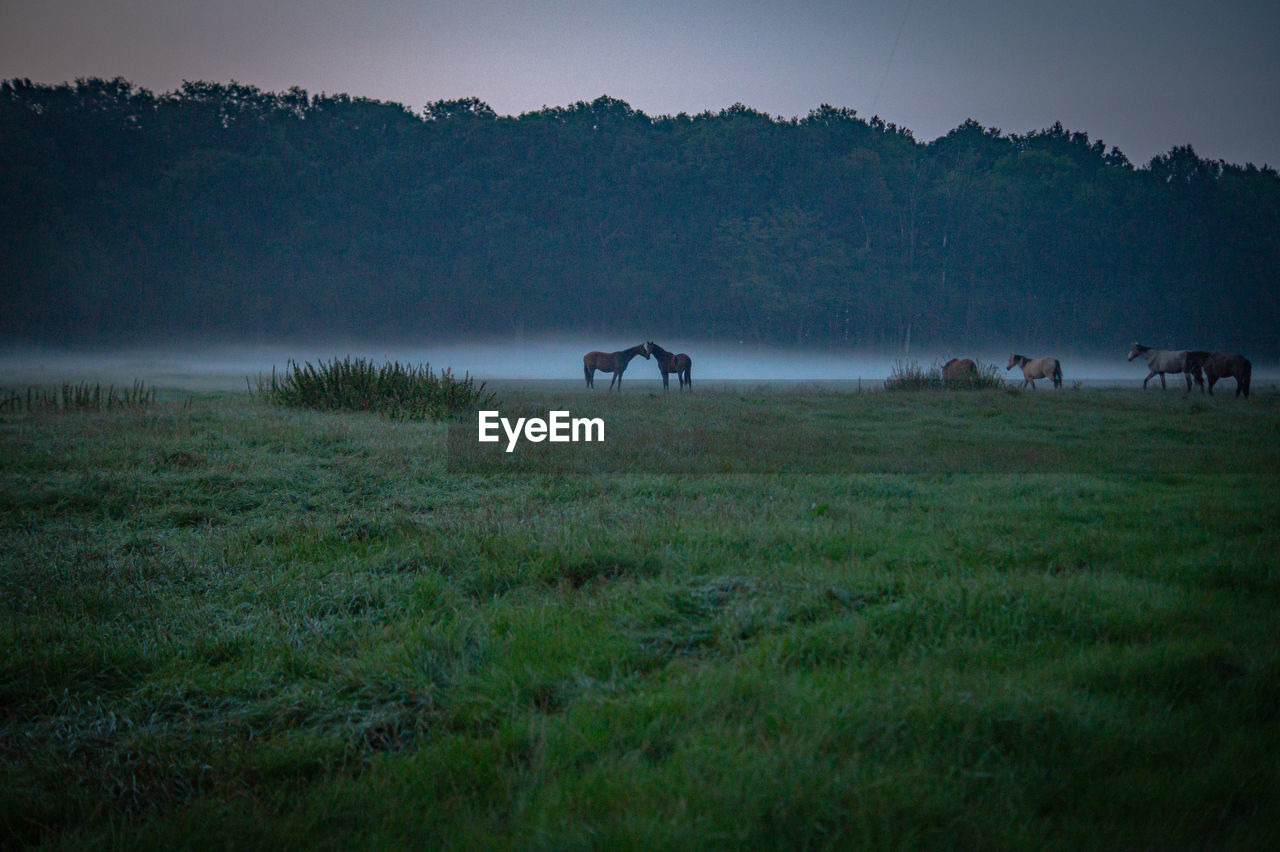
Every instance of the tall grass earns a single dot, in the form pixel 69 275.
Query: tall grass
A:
pixel 241 626
pixel 909 375
pixel 406 391
pixel 81 396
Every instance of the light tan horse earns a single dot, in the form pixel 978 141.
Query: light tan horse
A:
pixel 959 370
pixel 1037 368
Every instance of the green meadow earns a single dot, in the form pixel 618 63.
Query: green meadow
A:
pixel 768 616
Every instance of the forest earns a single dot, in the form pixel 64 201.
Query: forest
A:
pixel 224 212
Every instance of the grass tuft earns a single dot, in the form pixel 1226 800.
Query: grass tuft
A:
pixel 81 396
pixel 909 376
pixel 400 391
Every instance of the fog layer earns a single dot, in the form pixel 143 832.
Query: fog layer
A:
pixel 235 367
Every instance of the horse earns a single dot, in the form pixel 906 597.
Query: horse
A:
pixel 959 370
pixel 1037 368
pixel 1161 361
pixel 1196 359
pixel 610 362
pixel 681 365
pixel 1220 365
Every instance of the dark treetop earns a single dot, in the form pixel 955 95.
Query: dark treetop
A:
pixel 222 211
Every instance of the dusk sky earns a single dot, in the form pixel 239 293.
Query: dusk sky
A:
pixel 1140 75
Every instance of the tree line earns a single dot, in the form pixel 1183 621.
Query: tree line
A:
pixel 221 211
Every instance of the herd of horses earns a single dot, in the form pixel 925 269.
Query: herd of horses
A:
pixel 1193 363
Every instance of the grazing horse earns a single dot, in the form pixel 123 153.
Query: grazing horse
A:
pixel 1161 361
pixel 1220 365
pixel 1037 368
pixel 959 370
pixel 610 362
pixel 681 365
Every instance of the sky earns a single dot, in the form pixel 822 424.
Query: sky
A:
pixel 1142 76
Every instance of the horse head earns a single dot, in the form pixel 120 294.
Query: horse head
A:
pixel 1137 349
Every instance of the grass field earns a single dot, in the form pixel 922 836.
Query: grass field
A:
pixel 756 616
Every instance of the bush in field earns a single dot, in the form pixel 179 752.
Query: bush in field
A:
pixel 398 390
pixel 909 375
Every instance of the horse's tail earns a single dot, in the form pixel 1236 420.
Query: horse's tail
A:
pixel 1057 373
pixel 586 371
pixel 1245 374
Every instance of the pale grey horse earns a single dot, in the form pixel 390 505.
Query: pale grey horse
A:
pixel 1037 368
pixel 1161 361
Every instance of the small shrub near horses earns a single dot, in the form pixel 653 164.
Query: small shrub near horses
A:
pixel 407 391
pixel 909 375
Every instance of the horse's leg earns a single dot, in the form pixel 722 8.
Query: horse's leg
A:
pixel 1147 379
pixel 1163 386
pixel 666 380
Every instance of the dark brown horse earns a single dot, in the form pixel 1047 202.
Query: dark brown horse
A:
pixel 668 363
pixel 1196 359
pixel 1220 365
pixel 959 370
pixel 610 362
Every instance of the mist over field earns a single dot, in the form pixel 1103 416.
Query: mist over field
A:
pixel 238 366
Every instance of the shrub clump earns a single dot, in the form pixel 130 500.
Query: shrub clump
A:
pixel 909 375
pixel 405 391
